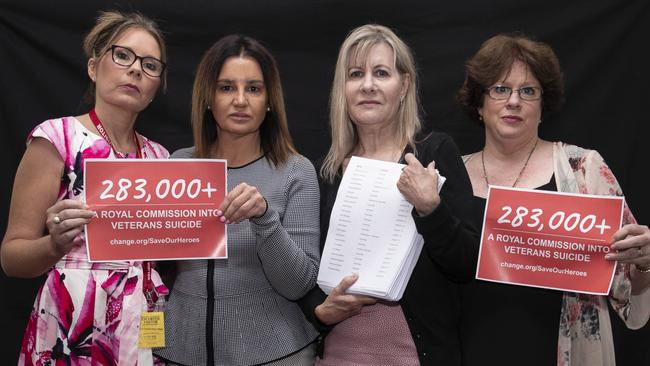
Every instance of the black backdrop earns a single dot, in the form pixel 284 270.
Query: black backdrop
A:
pixel 601 45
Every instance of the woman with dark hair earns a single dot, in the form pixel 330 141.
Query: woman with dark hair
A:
pixel 511 83
pixel 241 310
pixel 86 313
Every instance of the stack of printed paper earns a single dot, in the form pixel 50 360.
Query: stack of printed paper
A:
pixel 371 232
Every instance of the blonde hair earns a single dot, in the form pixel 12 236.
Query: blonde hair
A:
pixel 345 138
pixel 110 25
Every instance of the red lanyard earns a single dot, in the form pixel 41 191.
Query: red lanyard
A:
pixel 146 267
pixel 102 132
pixel 148 288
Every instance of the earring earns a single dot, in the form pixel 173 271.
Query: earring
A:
pixel 480 118
pixel 268 109
pixel 208 107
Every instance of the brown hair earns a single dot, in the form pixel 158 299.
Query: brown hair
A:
pixel 275 139
pixel 495 58
pixel 109 26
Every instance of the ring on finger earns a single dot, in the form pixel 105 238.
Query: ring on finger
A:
pixel 56 220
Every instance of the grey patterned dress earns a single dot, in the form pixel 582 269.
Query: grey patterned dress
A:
pixel 242 309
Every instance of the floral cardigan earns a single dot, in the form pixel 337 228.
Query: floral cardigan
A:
pixel 585 336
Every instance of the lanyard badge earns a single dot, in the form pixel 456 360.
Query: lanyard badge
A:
pixel 152 321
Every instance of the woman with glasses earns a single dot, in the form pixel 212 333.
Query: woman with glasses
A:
pixel 86 313
pixel 242 310
pixel 511 83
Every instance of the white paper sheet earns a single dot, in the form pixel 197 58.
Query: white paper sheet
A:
pixel 371 232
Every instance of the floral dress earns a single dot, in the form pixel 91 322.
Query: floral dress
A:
pixel 585 334
pixel 87 313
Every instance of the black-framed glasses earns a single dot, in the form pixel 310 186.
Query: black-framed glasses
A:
pixel 125 56
pixel 500 92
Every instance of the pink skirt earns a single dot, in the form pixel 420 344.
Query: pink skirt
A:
pixel 379 335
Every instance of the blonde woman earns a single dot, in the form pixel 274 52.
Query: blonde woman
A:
pixel 86 313
pixel 374 114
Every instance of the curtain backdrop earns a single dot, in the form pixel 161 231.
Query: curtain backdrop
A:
pixel 601 46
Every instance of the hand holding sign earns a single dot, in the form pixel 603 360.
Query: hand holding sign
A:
pixel 632 243
pixel 243 202
pixel 65 221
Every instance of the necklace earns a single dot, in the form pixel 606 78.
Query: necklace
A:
pixel 487 184
pixel 102 131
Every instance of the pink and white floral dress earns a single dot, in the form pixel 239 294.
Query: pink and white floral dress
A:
pixel 87 313
pixel 585 333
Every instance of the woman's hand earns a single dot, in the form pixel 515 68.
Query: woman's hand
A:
pixel 419 185
pixel 65 221
pixel 339 306
pixel 632 246
pixel 241 203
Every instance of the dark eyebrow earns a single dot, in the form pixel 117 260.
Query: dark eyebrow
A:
pixel 130 49
pixel 230 81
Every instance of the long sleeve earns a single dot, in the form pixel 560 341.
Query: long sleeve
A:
pixel 316 296
pixel 451 237
pixel 587 340
pixel 639 310
pixel 633 310
pixel 288 247
pixel 450 248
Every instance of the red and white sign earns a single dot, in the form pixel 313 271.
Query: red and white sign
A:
pixel 155 209
pixel 549 239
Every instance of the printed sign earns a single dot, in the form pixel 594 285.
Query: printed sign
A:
pixel 549 239
pixel 155 209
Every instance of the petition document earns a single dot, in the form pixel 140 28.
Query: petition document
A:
pixel 371 232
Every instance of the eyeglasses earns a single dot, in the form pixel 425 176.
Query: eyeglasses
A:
pixel 124 56
pixel 500 92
